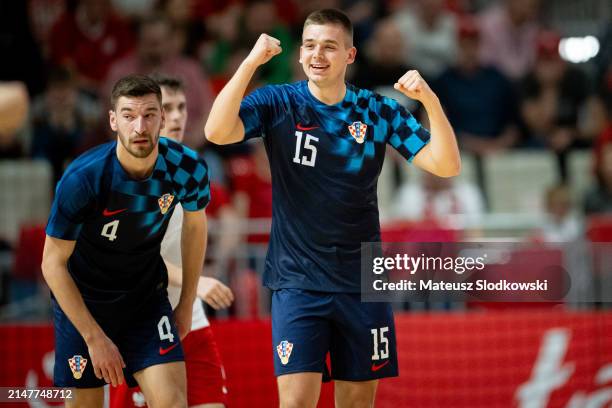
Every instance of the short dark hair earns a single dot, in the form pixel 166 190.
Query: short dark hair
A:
pixel 173 83
pixel 331 16
pixel 135 85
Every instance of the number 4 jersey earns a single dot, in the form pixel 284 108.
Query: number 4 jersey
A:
pixel 325 161
pixel 119 222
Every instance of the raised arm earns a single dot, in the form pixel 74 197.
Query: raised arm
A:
pixel 224 125
pixel 441 155
pixel 106 360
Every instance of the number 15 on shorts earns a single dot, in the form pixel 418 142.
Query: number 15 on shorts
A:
pixel 381 343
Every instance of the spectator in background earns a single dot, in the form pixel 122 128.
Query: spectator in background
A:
pixel 62 118
pixel 190 31
pixel 509 33
pixel 364 14
pixel 155 53
pixel 434 198
pixel 260 16
pixel 599 199
pixel 257 16
pixel 384 62
pixel 561 223
pixel 89 39
pixel 429 32
pixel 479 100
pixel 553 95
pixel 14 104
pixel 42 16
pixel 252 183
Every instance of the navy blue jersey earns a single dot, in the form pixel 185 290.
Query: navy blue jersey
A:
pixel 325 161
pixel 119 222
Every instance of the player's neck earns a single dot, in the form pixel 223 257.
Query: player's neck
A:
pixel 137 168
pixel 329 95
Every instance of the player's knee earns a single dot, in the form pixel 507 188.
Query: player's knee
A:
pixel 359 402
pixel 355 400
pixel 297 401
pixel 168 400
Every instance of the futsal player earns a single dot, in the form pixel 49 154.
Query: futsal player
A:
pixel 206 386
pixel 102 261
pixel 326 142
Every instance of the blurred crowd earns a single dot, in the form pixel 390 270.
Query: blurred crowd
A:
pixel 495 66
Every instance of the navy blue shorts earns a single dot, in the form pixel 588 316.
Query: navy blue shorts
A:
pixel 360 337
pixel 146 338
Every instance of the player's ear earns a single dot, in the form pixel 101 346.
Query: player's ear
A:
pixel 112 117
pixel 163 120
pixel 300 60
pixel 352 53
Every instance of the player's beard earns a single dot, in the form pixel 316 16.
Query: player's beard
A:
pixel 139 150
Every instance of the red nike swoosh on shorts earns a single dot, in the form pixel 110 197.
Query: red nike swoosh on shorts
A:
pixel 300 127
pixel 163 351
pixel 108 213
pixel 378 367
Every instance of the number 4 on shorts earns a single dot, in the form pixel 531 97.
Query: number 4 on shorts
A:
pixel 165 330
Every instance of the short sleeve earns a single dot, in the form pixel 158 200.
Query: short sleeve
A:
pixel 70 206
pixel 407 135
pixel 197 186
pixel 257 110
pixel 170 248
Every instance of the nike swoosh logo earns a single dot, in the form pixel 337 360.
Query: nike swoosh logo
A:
pixel 108 213
pixel 378 367
pixel 300 127
pixel 163 351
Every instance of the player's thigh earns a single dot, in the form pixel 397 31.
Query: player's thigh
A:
pixel 355 394
pixel 86 397
pixel 300 331
pixel 149 338
pixel 73 366
pixel 299 390
pixel 363 343
pixel 164 385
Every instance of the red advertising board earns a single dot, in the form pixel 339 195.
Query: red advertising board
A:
pixel 524 358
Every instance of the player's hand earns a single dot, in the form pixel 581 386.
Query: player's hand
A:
pixel 215 293
pixel 264 49
pixel 414 86
pixel 106 360
pixel 182 318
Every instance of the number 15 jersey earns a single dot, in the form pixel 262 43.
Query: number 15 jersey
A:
pixel 325 162
pixel 119 222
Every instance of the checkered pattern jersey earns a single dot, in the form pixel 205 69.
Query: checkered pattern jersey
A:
pixel 324 178
pixel 118 222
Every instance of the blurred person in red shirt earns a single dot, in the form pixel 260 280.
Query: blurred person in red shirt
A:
pixel 89 40
pixel 252 182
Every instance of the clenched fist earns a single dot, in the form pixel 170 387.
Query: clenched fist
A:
pixel 264 49
pixel 414 86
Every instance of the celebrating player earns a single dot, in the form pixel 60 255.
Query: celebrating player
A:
pixel 205 378
pixel 326 143
pixel 102 257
